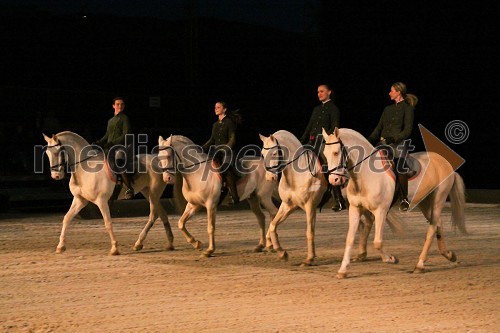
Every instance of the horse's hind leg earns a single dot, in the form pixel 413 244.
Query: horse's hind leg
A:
pixel 268 204
pixel 166 224
pixel 433 213
pixel 151 221
pixel 188 212
pixel 76 206
pixel 254 202
pixel 104 208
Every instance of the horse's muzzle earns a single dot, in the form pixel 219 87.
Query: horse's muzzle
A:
pixel 57 175
pixel 168 178
pixel 337 180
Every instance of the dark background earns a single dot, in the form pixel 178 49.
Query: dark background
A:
pixel 61 65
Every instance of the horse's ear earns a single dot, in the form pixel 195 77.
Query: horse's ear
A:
pixel 160 139
pixel 262 137
pixel 336 132
pixel 54 137
pixel 46 137
pixel 271 137
pixel 325 135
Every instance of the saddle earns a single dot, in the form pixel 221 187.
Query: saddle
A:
pixel 413 165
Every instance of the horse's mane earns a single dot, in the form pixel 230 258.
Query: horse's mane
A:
pixel 352 134
pixel 72 135
pixel 182 139
pixel 286 134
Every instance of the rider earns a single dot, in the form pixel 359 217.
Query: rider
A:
pixel 224 139
pixel 118 127
pixel 394 129
pixel 325 116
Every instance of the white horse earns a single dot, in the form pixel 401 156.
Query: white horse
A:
pixel 91 180
pixel 201 186
pixel 372 186
pixel 302 185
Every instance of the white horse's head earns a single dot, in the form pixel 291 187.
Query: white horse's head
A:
pixel 336 157
pixel 273 157
pixel 57 157
pixel 166 156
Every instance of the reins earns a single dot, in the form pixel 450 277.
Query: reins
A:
pixel 175 166
pixel 278 168
pixel 344 160
pixel 64 162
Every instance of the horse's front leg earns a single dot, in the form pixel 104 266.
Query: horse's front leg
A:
pixel 380 215
pixel 211 214
pixel 283 212
pixel 311 224
pixel 76 206
pixel 104 208
pixel 364 233
pixel 189 211
pixel 354 216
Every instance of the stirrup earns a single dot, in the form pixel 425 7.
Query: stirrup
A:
pixel 404 205
pixel 129 194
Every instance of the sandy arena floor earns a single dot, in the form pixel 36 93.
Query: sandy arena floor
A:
pixel 85 290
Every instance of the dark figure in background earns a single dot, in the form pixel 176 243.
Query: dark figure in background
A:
pixel 394 129
pixel 118 127
pixel 223 139
pixel 327 116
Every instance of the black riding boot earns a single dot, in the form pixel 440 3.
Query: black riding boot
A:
pixel 127 181
pixel 231 184
pixel 403 188
pixel 338 200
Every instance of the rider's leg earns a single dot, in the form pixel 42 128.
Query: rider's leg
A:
pixel 338 200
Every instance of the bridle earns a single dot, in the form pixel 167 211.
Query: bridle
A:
pixel 343 160
pixel 343 165
pixel 282 164
pixel 176 165
pixel 63 164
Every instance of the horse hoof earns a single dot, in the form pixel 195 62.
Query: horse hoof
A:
pixel 393 260
pixel 453 257
pixel 341 275
pixel 170 248
pixel 114 252
pixel 61 249
pixel 258 248
pixel 138 247
pixel 418 270
pixel 197 245
pixel 283 256
pixel 360 257
pixel 270 249
pixel 307 263
pixel 207 254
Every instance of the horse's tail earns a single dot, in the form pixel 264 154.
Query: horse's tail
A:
pixel 457 198
pixel 179 200
pixel 396 223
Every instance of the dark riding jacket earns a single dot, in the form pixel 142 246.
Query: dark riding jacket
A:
pixel 223 133
pixel 327 116
pixel 396 122
pixel 118 127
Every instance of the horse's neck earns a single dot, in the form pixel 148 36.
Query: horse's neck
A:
pixel 366 163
